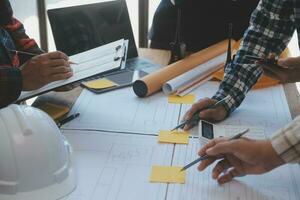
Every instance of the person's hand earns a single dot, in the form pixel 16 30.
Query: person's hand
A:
pixel 287 71
pixel 238 158
pixel 46 68
pixel 216 114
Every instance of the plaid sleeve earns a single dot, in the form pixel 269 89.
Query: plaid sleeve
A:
pixel 286 142
pixel 270 30
pixel 10 85
pixel 16 29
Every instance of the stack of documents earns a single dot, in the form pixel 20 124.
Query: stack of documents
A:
pixel 192 79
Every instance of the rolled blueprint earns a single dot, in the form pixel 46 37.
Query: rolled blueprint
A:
pixel 154 81
pixel 198 73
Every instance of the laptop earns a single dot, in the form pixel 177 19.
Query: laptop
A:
pixel 80 28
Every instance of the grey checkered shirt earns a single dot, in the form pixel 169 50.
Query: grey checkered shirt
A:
pixel 272 25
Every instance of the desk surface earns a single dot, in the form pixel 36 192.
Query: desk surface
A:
pixel 161 57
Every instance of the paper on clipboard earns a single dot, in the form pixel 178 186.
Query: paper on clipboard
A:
pixel 89 63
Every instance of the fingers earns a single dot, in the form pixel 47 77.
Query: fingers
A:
pixel 224 147
pixel 209 145
pixel 205 163
pixel 46 72
pixel 216 114
pixel 271 74
pixel 56 55
pixel 57 77
pixel 220 167
pixel 211 114
pixel 274 69
pixel 278 73
pixel 229 175
pixel 188 127
pixel 291 62
pixel 201 104
pixel 283 74
pixel 54 66
pixel 60 70
pixel 56 62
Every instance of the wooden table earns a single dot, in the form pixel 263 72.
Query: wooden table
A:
pixel 161 57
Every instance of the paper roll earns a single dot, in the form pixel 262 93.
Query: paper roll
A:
pixel 154 82
pixel 197 73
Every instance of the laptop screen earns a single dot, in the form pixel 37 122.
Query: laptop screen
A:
pixel 80 28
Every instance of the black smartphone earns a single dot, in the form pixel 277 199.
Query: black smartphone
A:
pixel 124 78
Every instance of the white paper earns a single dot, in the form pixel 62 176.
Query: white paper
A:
pixel 201 71
pixel 281 184
pixel 89 63
pixel 123 111
pixel 117 166
pixel 262 108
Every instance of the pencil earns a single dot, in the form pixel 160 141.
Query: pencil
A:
pixel 32 55
pixel 237 136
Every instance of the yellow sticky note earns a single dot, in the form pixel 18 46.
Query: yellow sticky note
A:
pixel 100 84
pixel 187 99
pixel 167 174
pixel 175 137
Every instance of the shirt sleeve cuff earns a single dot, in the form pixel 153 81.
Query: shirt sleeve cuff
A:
pixel 229 104
pixel 286 142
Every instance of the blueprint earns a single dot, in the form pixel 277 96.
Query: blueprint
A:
pixel 279 184
pixel 117 166
pixel 263 108
pixel 122 111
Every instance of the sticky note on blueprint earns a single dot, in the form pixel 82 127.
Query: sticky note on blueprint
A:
pixel 100 84
pixel 176 137
pixel 167 174
pixel 187 99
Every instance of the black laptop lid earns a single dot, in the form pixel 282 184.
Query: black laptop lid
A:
pixel 80 28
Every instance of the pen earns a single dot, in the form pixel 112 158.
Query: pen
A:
pixel 196 117
pixel 31 54
pixel 237 136
pixel 67 119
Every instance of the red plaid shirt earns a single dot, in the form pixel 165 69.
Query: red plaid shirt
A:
pixel 12 36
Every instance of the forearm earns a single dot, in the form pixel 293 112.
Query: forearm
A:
pixel 10 85
pixel 270 30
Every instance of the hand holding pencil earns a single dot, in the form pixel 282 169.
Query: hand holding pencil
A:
pixel 45 68
pixel 238 157
pixel 207 110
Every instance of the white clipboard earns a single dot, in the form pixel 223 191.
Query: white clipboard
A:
pixel 93 62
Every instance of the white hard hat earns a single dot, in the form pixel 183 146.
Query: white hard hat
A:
pixel 35 158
